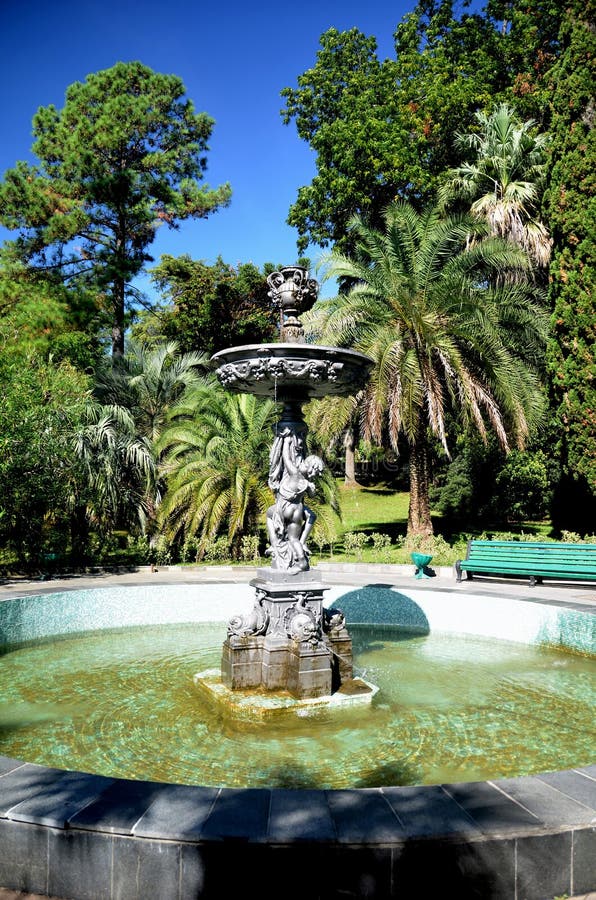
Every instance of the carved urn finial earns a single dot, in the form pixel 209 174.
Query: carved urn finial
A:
pixel 292 292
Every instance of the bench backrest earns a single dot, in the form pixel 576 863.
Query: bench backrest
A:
pixel 532 550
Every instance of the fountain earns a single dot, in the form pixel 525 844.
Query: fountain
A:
pixel 84 833
pixel 290 642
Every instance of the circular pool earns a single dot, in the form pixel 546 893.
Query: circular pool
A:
pixel 466 699
pixel 73 834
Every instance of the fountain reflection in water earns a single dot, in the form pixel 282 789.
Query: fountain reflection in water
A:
pixel 289 642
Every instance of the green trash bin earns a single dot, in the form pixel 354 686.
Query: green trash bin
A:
pixel 421 561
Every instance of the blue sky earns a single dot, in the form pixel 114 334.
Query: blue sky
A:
pixel 234 59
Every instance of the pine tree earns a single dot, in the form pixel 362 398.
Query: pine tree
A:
pixel 124 155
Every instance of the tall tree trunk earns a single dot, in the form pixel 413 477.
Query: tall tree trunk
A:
pixel 118 318
pixel 350 460
pixel 119 287
pixel 79 536
pixel 419 519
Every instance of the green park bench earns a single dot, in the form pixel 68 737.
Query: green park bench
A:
pixel 536 560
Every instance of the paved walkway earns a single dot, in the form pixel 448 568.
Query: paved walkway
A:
pixel 6 894
pixel 576 595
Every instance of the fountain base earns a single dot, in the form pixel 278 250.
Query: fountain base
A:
pixel 288 641
pixel 249 707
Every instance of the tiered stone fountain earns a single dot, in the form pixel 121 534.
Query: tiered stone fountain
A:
pixel 290 642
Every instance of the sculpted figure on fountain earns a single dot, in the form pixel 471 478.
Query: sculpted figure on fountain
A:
pixel 289 519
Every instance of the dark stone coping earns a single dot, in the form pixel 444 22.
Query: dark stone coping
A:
pixel 71 834
pixel 76 835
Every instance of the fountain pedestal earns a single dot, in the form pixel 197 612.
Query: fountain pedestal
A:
pixel 300 646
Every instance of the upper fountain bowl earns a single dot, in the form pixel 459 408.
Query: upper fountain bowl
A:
pixel 292 371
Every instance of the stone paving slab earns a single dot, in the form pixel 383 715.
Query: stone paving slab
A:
pixel 7 894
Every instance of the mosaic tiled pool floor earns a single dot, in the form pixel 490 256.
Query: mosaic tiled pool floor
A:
pixel 449 708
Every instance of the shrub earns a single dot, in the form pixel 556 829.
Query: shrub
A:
pixel 523 486
pixel 161 551
pixel 217 550
pixel 189 552
pixel 512 536
pixel 433 545
pixel 381 546
pixel 354 542
pixel 138 547
pixel 249 548
pixel 572 537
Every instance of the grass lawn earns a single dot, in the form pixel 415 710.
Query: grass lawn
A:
pixel 374 509
pixel 380 510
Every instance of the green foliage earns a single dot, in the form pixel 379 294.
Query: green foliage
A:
pixel 571 537
pixel 484 485
pixel 571 211
pixel 46 318
pixel 502 179
pixel 42 404
pixel 217 550
pixel 117 471
pixel 214 456
pixel 512 536
pixel 382 129
pixel 433 545
pixel 448 333
pixel 189 550
pixel 144 385
pixel 249 548
pixel 466 492
pixel 139 548
pixel 148 382
pixel 212 307
pixel 381 546
pixel 161 551
pixel 524 487
pixel 343 108
pixel 354 543
pixel 528 46
pixel 124 155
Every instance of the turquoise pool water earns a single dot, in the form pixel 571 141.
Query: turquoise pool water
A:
pixel 450 708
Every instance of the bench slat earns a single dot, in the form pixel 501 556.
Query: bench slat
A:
pixel 527 564
pixel 571 558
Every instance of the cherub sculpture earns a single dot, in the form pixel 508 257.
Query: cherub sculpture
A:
pixel 289 519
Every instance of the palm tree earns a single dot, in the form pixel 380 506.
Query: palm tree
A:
pixel 445 333
pixel 503 182
pixel 215 454
pixel 116 469
pixel 148 381
pixel 337 418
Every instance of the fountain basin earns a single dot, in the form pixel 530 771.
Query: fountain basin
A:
pixel 78 835
pixel 287 371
